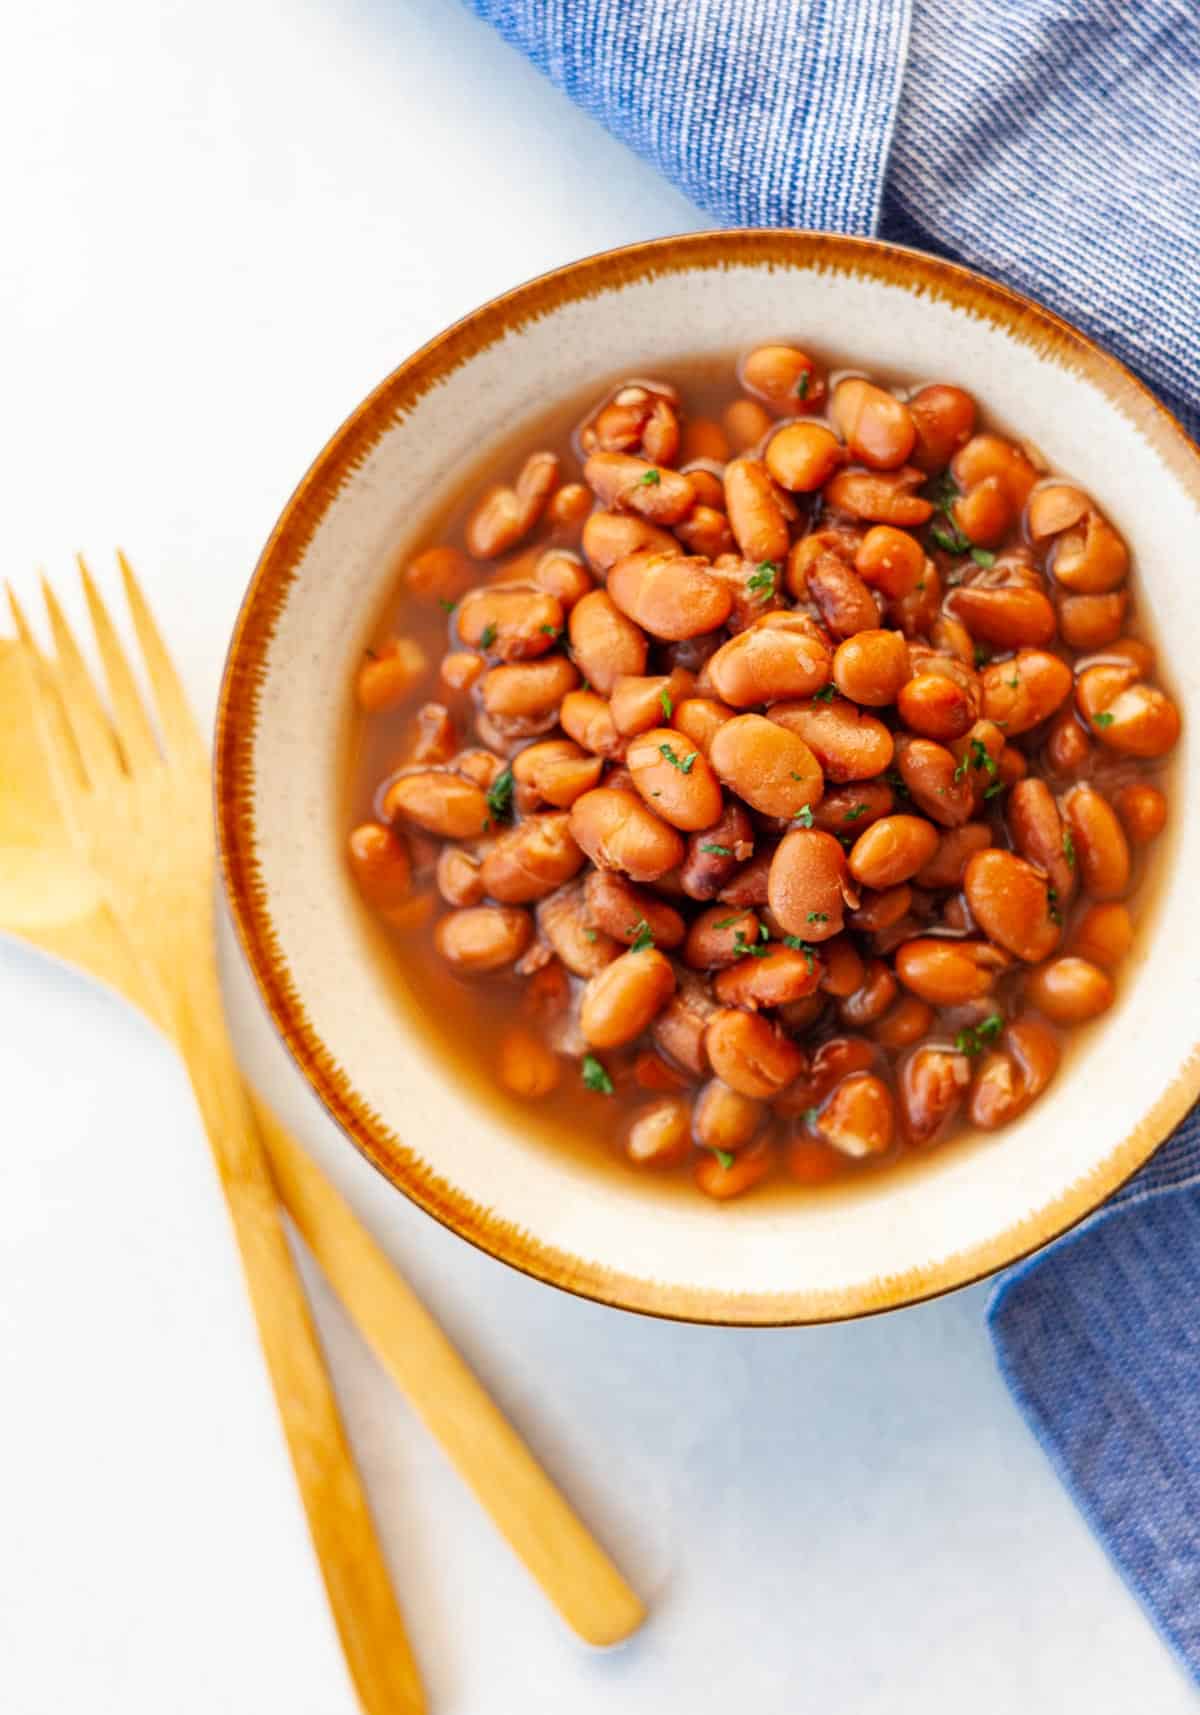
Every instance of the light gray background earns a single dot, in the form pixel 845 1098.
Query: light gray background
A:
pixel 221 225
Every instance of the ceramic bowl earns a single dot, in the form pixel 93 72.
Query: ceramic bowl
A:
pixel 961 1212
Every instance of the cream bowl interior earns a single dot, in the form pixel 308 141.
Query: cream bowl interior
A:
pixel 318 587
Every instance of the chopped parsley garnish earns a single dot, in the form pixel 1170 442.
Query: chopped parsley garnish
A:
pixel 1068 847
pixel 665 704
pixel 802 386
pixel 943 491
pixel 748 949
pixel 976 757
pixel 804 816
pixel 550 630
pixel 919 587
pixel 728 922
pixel 952 540
pixel 500 796
pixel 650 479
pixel 810 1116
pixel 717 851
pixel 855 811
pixel 993 789
pixel 684 765
pixel 825 696
pixel 817 917
pixel 982 654
pixel 983 557
pixel 799 946
pixel 643 936
pixel 446 606
pixel 975 1038
pixel 1014 684
pixel 895 780
pixel 589 935
pixel 1052 905
pixel 1102 720
pixel 594 1076
pixel 487 637
pixel 724 1157
pixel 762 581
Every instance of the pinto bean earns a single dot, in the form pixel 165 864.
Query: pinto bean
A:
pixel 1055 507
pixel 381 866
pixel 670 596
pixel 389 673
pixel 880 497
pixel 567 510
pixel 617 831
pixel 460 669
pixel 1103 933
pixel 745 422
pixel 807 885
pixel 882 910
pixel 678 1030
pixel 627 913
pixel 528 689
pixel 1143 811
pixel 512 623
pixel 439 574
pixel 1003 473
pixel 629 484
pixel 660 1134
pixel 1091 558
pixel 675 780
pixel 708 489
pixel 532 859
pixel 1009 617
pixel 844 967
pixel 458 879
pixel 557 771
pixel 859 1118
pixel 706 532
pixel 772 769
pixel 948 973
pixel 803 456
pixel 842 599
pixel 612 536
pixel 1009 1080
pixel 851 809
pixel 785 377
pixel 722 1180
pixel 768 662
pixel 1126 715
pixel 718 937
pixel 1020 693
pixel 641 701
pixel 785 974
pixel 526 1065
pixel 936 781
pixel 588 719
pixel 904 1023
pixel 891 850
pixel 703 438
pixel 871 667
pixel 1010 901
pixel 878 428
pixel 1067 745
pixel 890 560
pixel 933 1082
pixel 563 918
pixel 483 937
pixel 1070 991
pixel 1091 621
pixel 622 999
pixel 750 1054
pixel 944 418
pixel 1100 843
pixel 1038 834
pixel 606 645
pixel 504 515
pixel 714 853
pixel 812 1162
pixel 847 743
pixel 440 801
pixel 748 884
pixel 937 704
pixel 755 514
pixel 699 717
pixel 869 1002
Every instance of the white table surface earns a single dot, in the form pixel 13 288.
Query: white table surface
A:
pixel 222 224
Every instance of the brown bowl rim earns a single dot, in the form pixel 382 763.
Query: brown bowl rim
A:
pixel 245 672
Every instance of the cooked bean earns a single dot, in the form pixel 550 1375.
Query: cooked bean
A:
pixel 699 718
pixel 1038 834
pixel 442 802
pixel 996 478
pixel 1010 900
pixel 868 1004
pixel 439 574
pixel 669 595
pixel 891 850
pixel 483 937
pixel 622 999
pixel 850 809
pixel 510 623
pixel 612 536
pixel 532 859
pixel 617 831
pixel 708 489
pixel 631 484
pixel 811 1162
pixel 906 1022
pixel 460 669
pixel 381 866
pixel 722 1180
pixel 628 913
pixel 724 1118
pixel 430 738
pixel 1124 714
pixel 842 599
pixel 660 1134
pixel 719 937
pixel 784 376
pixel 1103 934
pixel 881 497
pixel 660 436
pixel 1009 617
pixel 1067 745
pixel 1091 558
pixel 641 701
pixel 750 1054
pixel 1054 507
pixel 652 1072
pixel 936 781
pixel 1100 843
pixel 890 560
pixel 807 884
pixel 458 879
pixel 706 532
pixel 565 920
pixel 528 689
pixel 784 974
pixel 876 911
pixel 1020 693
pixel 504 515
pixel 871 667
pixel 604 642
pixel 527 1067
pixel 755 514
pixel 389 673
pixel 803 456
pixel 745 423
pixel 675 780
pixel 948 973
pixel 768 662
pixel 588 719
pixel 1008 1081
pixel 916 614
pixel 772 769
pixel 748 884
pixel 1091 621
pixel 1143 811
pixel 703 438
pixel 714 853
pixel 557 771
pixel 1070 990
pixel 936 703
pixel 847 743
pixel 679 1028
pixel 933 1082
pixel 858 1119
pixel 844 969
pixel 567 510
pixel 877 427
pixel 837 1058
pixel 944 418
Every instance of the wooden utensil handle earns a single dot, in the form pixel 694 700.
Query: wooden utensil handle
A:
pixel 485 1449
pixel 356 1577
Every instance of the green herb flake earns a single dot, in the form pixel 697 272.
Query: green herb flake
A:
pixel 953 541
pixel 1014 684
pixel 1068 845
pixel 446 606
pixel 749 949
pixel 684 764
pixel 802 385
pixel 594 1075
pixel 817 917
pixel 825 696
pixel 995 788
pixel 728 922
pixel 983 557
pixel 799 946
pixel 762 581
pixel 855 811
pixel 1052 905
pixel 500 796
pixel 650 479
pixel 975 1038
pixel 717 851
pixel 919 587
pixel 724 1157
pixel 590 935
pixel 810 1116
pixel 550 630
pixel 487 637
pixel 1102 720
pixel 665 704
pixel 643 936
pixel 943 491
pixel 371 654
pixel 804 816
pixel 982 654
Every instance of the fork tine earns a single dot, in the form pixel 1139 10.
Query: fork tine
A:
pixel 183 737
pixel 134 732
pixel 57 741
pixel 85 713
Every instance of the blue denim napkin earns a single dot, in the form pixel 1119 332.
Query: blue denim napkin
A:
pixel 1053 144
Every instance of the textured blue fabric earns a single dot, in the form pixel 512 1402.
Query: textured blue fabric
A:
pixel 1054 145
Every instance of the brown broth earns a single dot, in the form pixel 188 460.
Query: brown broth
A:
pixel 464 1019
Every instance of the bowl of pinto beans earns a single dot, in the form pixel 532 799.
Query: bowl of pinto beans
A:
pixel 704 777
